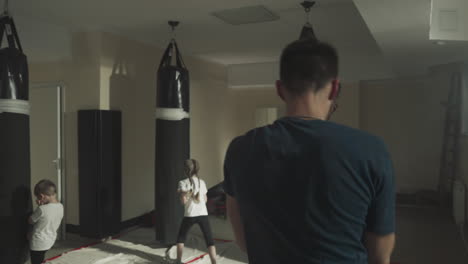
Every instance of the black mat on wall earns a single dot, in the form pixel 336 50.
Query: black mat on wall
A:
pixel 100 172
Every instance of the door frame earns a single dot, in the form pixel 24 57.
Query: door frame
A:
pixel 60 161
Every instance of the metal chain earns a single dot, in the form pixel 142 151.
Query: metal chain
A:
pixel 5 8
pixel 307 5
pixel 307 13
pixel 173 25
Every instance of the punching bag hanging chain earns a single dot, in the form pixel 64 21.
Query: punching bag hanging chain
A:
pixel 307 6
pixel 5 8
pixel 173 25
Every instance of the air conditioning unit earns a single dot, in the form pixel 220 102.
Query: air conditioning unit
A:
pixel 449 20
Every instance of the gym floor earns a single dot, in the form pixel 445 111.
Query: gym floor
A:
pixel 424 235
pixel 429 236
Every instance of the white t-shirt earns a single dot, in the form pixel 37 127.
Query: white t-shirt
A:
pixel 192 207
pixel 46 219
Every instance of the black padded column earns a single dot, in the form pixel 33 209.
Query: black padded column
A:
pixel 100 172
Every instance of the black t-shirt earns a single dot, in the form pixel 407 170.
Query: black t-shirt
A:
pixel 308 190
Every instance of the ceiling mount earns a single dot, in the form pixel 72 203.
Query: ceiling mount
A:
pixel 173 24
pixel 307 5
pixel 5 9
pixel 307 30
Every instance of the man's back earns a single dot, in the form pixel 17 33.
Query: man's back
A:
pixel 308 190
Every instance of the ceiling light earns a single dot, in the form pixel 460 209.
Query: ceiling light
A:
pixel 246 15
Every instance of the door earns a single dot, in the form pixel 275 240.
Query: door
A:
pixel 46 136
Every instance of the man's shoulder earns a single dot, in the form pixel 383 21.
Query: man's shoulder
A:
pixel 250 135
pixel 241 143
pixel 237 142
pixel 354 135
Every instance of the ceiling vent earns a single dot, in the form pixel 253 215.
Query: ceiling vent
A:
pixel 246 15
pixel 449 20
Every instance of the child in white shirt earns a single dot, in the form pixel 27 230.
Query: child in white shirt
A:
pixel 45 219
pixel 193 196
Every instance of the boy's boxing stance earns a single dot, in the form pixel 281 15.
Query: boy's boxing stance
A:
pixel 46 220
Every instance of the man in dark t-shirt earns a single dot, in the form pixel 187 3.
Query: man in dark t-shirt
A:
pixel 306 190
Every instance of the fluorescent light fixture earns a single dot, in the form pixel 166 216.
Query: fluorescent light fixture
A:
pixel 246 15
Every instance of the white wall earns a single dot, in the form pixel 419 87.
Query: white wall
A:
pixel 348 112
pixel 42 41
pixel 265 116
pixel 408 115
pixel 256 75
pixel 246 101
pixel 43 134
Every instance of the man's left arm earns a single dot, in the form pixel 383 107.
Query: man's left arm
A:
pixel 236 221
pixel 232 206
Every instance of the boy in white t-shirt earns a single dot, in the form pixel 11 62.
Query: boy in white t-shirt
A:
pixel 45 219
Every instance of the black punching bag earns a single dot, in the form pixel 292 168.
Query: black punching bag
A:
pixel 15 178
pixel 172 142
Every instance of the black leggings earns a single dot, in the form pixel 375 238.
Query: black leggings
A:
pixel 37 257
pixel 204 224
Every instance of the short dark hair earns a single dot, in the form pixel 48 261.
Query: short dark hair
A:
pixel 308 64
pixel 45 187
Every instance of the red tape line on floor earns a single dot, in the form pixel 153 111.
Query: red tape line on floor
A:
pixel 119 236
pixel 202 255
pixel 195 259
pixel 90 245
pixel 222 240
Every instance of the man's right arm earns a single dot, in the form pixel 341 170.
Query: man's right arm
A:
pixel 379 247
pixel 379 238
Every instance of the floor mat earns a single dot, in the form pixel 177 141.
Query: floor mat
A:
pixel 139 247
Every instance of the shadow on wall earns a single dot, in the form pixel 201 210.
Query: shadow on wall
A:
pixel 120 78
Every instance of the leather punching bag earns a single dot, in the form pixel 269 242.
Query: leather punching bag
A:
pixel 15 177
pixel 172 142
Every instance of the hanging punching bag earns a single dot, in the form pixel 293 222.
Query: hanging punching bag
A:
pixel 15 179
pixel 172 142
